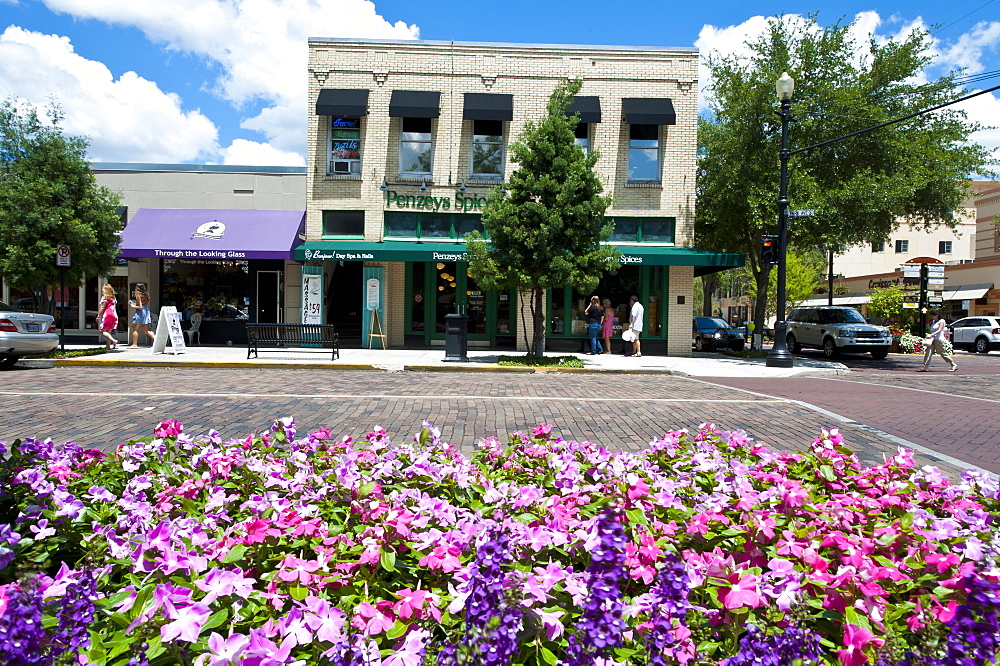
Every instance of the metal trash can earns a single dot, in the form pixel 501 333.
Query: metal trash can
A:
pixel 456 337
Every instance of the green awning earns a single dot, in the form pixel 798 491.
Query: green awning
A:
pixel 704 261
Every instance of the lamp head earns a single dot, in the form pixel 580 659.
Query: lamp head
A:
pixel 785 87
pixel 384 186
pixel 423 185
pixel 461 187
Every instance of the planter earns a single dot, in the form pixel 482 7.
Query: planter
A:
pixel 894 347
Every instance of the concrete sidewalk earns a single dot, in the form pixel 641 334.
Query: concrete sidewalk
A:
pixel 431 360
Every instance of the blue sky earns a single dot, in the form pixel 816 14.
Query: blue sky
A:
pixel 224 81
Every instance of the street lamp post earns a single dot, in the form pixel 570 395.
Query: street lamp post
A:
pixel 779 357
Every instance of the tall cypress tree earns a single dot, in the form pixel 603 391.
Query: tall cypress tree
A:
pixel 545 230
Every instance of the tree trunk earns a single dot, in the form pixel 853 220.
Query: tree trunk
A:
pixel 538 321
pixel 707 292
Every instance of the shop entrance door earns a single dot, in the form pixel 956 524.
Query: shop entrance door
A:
pixel 269 297
pixel 449 289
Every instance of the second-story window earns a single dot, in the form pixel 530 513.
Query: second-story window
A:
pixel 416 147
pixel 345 146
pixel 944 247
pixel 644 153
pixel 487 149
pixel 583 136
pixel 902 246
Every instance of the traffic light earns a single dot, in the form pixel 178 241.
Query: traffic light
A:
pixel 769 250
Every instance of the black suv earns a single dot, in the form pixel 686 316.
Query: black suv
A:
pixel 836 329
pixel 710 333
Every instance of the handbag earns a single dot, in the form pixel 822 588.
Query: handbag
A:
pixel 628 335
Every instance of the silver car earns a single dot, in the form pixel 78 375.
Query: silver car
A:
pixel 978 334
pixel 23 333
pixel 836 329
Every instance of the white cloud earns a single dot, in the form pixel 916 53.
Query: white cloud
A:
pixel 253 153
pixel 260 46
pixel 968 50
pixel 985 110
pixel 123 118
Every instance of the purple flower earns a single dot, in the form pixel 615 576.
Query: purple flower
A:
pixel 22 635
pixel 600 627
pixel 784 649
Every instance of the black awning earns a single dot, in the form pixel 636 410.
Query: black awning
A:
pixel 649 111
pixel 488 106
pixel 589 109
pixel 342 102
pixel 415 104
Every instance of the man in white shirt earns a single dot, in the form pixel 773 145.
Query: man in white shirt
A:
pixel 635 324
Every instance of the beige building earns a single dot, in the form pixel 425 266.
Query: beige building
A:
pixel 406 138
pixel 214 239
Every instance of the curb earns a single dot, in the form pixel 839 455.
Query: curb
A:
pixel 276 365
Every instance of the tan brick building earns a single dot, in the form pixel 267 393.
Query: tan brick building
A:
pixel 405 138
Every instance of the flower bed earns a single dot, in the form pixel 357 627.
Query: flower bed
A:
pixel 706 548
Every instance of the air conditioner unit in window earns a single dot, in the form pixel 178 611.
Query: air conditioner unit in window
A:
pixel 340 167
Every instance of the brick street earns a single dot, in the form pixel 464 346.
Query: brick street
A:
pixel 104 407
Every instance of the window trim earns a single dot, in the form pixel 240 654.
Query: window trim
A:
pixel 640 222
pixel 945 244
pixel 902 246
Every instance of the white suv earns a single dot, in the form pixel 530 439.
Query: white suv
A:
pixel 979 334
pixel 836 329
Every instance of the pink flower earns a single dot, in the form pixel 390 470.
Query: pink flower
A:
pixel 224 651
pixel 374 619
pixel 444 558
pixel 542 429
pixel 186 623
pixel 169 428
pixel 742 593
pixel 856 639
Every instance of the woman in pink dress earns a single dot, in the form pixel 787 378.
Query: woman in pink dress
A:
pixel 607 325
pixel 107 317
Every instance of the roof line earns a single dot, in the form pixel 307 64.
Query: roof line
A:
pixel 428 42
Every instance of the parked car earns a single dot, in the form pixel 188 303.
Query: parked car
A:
pixel 978 334
pixel 836 329
pixel 767 331
pixel 710 333
pixel 23 333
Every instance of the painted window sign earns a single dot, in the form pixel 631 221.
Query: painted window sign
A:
pixel 346 122
pixel 344 134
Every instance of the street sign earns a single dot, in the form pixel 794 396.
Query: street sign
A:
pixel 804 212
pixel 62 256
pixel 936 271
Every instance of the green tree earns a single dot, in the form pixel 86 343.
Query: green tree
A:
pixel 887 303
pixel 49 196
pixel 804 272
pixel 547 229
pixel 860 188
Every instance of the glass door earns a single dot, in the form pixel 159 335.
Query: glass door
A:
pixel 269 297
pixel 438 289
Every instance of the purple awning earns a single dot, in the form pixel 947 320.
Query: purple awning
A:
pixel 213 233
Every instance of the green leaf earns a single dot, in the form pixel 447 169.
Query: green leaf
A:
pixel 96 653
pixel 298 592
pixel 215 619
pixel 235 553
pixel 388 560
pixel 637 516
pixel 366 489
pixel 548 656
pixel 827 472
pixel 397 630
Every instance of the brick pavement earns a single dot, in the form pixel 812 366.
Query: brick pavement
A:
pixel 106 406
pixel 953 414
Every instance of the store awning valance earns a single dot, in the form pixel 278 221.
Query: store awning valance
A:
pixel 488 106
pixel 849 299
pixel 352 103
pixel 649 111
pixel 704 261
pixel 415 104
pixel 968 292
pixel 589 109
pixel 212 233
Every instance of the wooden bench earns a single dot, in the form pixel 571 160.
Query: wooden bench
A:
pixel 278 337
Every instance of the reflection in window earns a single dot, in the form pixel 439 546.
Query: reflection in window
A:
pixel 415 147
pixel 643 229
pixel 344 223
pixel 418 296
pixel 582 134
pixel 626 231
pixel 435 226
pixel 401 225
pixel 487 148
pixel 217 289
pixel 644 153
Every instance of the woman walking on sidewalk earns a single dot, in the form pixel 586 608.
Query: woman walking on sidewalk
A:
pixel 107 317
pixel 935 343
pixel 142 318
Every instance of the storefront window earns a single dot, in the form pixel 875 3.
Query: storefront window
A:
pixel 652 321
pixel 566 314
pixel 216 289
pixel 417 304
pixel 51 300
pixel 445 284
pixel 475 299
pixel 643 229
pixel 435 226
pixel 431 225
